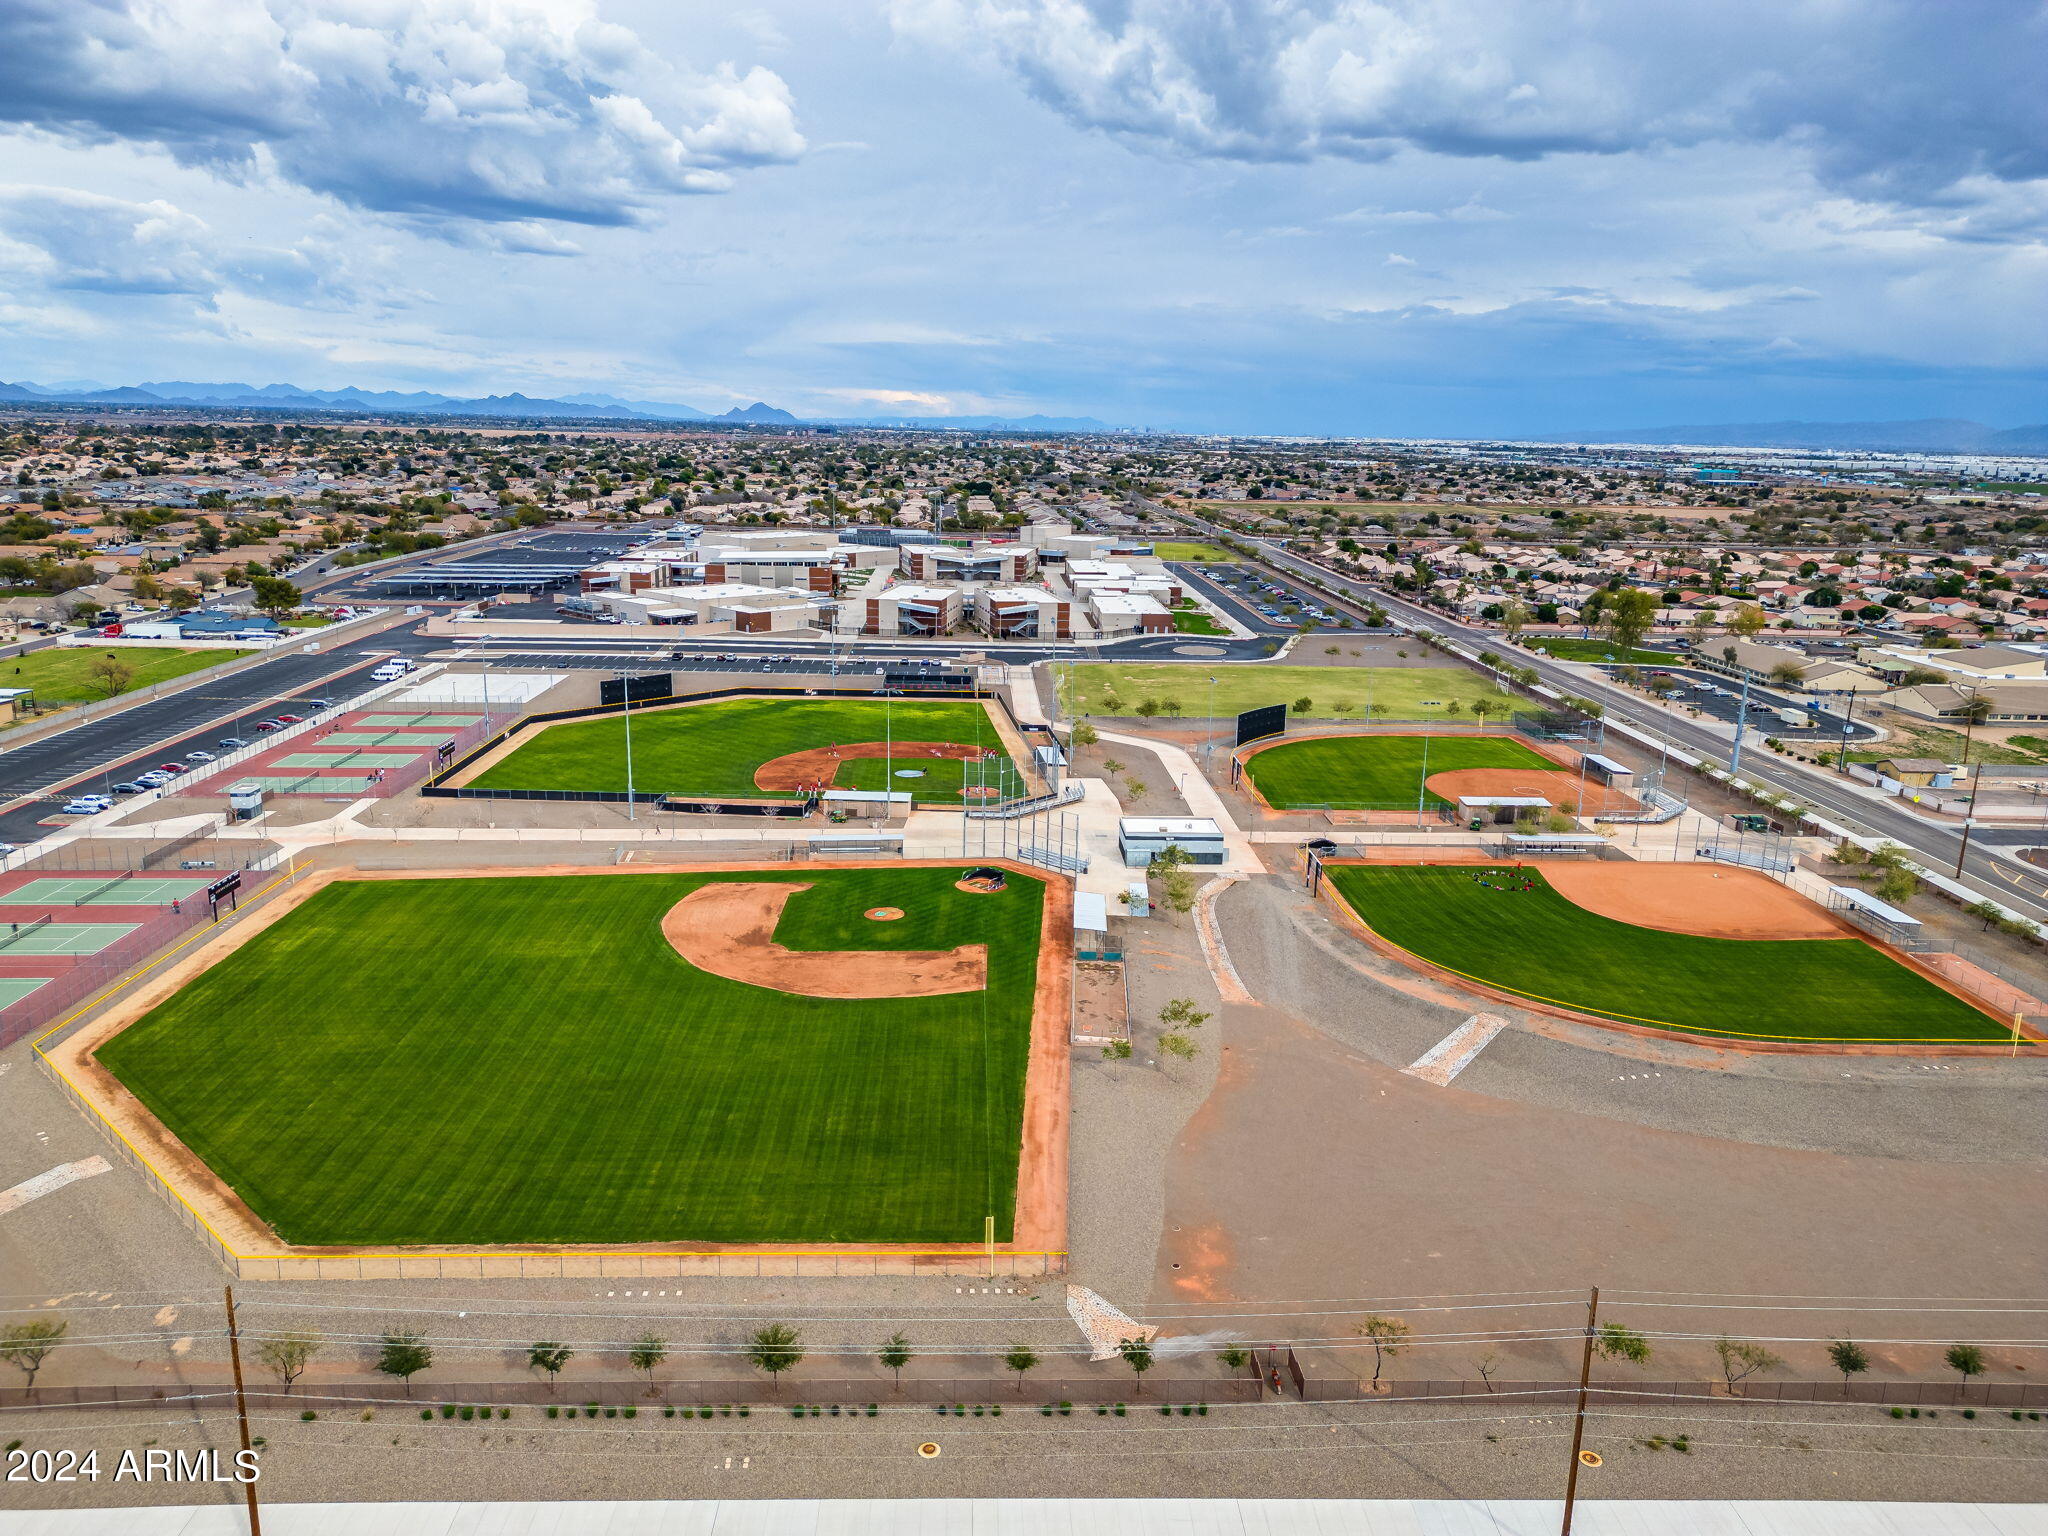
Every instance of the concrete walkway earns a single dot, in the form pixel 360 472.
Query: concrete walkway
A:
pixel 1201 797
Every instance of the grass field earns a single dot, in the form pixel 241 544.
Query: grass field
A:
pixel 1599 650
pixel 1363 772
pixel 1400 693
pixel 1193 621
pixel 1539 944
pixel 63 674
pixel 1171 551
pixel 527 1060
pixel 712 750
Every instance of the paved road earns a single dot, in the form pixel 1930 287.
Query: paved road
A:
pixel 1937 845
pixel 1725 705
pixel 117 747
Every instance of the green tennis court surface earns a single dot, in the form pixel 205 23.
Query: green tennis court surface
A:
pixel 14 988
pixel 102 891
pixel 345 760
pixel 308 784
pixel 61 938
pixel 381 738
pixel 439 722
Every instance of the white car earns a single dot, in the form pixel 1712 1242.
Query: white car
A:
pixel 86 805
pixel 156 778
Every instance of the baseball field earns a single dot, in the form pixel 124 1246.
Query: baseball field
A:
pixel 640 1057
pixel 1512 929
pixel 937 749
pixel 1362 772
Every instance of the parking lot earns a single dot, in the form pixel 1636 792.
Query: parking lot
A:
pixel 1721 698
pixel 1263 603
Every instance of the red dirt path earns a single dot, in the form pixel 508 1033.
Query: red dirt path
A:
pixel 819 765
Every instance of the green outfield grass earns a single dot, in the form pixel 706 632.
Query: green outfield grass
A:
pixel 527 1060
pixel 1364 772
pixel 1538 944
pixel 1399 693
pixel 63 674
pixel 712 750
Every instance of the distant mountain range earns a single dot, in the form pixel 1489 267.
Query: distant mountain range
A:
pixel 1935 434
pixel 582 407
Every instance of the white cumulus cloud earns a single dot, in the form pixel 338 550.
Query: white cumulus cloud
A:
pixel 500 111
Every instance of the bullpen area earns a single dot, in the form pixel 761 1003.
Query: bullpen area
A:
pixel 1724 953
pixel 730 1056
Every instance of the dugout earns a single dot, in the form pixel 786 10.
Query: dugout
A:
pixel 1609 772
pixel 1536 845
pixel 1878 917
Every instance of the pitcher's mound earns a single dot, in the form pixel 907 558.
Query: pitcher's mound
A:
pixel 728 929
pixel 883 914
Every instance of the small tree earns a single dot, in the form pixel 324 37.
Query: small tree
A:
pixel 1615 1341
pixel 27 1345
pixel 1985 912
pixel 1135 788
pixel 288 1354
pixel 1112 767
pixel 648 1351
pixel 1896 885
pixel 1786 674
pixel 1388 1336
pixel 775 1349
pixel 550 1357
pixel 1020 1359
pixel 895 1354
pixel 1747 621
pixel 1303 705
pixel 1741 1359
pixel 1137 1355
pixel 1084 735
pixel 110 674
pixel 1966 1360
pixel 1486 1365
pixel 404 1355
pixel 1233 1357
pixel 1849 1358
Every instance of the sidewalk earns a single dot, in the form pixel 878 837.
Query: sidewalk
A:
pixel 1202 800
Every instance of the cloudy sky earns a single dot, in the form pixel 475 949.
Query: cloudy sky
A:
pixel 1370 216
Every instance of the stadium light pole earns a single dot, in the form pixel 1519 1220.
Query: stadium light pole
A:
pixel 1209 744
pixel 626 706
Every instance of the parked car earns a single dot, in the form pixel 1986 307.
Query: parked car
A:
pixel 86 805
pixel 7 848
pixel 232 743
pixel 173 769
pixel 265 726
pixel 129 787
pixel 289 719
pixel 199 756
pixel 314 706
pixel 153 779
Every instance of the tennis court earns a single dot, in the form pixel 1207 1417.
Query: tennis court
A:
pixel 418 722
pixel 98 891
pixel 363 760
pixel 14 988
pixel 383 738
pixel 306 783
pixel 43 938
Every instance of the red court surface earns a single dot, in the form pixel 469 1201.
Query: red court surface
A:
pixel 360 754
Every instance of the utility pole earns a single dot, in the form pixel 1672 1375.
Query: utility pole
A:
pixel 1970 810
pixel 1848 718
pixel 242 1410
pixel 1571 1480
pixel 1741 728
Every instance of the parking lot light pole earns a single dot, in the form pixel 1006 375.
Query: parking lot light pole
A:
pixel 626 706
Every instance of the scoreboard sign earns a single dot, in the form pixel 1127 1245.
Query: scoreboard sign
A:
pixel 1257 724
